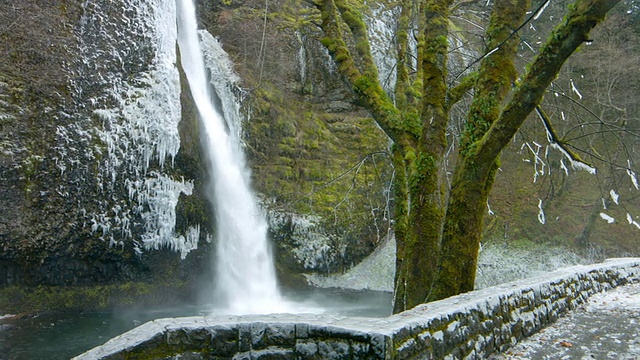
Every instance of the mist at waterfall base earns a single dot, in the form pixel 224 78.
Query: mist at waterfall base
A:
pixel 64 335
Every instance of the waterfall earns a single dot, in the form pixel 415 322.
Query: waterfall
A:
pixel 246 281
pixel 381 25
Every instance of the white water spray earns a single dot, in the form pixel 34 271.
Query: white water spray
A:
pixel 246 281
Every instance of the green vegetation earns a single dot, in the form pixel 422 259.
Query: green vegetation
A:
pixel 314 163
pixel 23 299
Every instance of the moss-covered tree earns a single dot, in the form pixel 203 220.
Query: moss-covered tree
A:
pixel 438 221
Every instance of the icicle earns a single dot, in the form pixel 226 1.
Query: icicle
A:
pixel 632 222
pixel 302 58
pixel 538 161
pixel 489 209
pixel 139 119
pixel 563 166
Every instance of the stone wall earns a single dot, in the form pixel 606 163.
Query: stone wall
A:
pixel 471 325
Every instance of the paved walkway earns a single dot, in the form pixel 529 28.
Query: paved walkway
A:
pixel 606 327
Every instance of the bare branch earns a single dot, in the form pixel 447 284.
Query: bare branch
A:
pixel 555 140
pixel 564 40
pixel 337 178
pixel 514 32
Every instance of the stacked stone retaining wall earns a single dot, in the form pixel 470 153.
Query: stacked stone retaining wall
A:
pixel 467 326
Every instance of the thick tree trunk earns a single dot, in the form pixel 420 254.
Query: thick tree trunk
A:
pixel 463 229
pixel 425 186
pixel 472 180
pixel 418 253
pixel 401 207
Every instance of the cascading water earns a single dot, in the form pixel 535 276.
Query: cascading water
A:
pixel 246 281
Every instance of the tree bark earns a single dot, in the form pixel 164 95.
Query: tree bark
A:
pixel 421 245
pixel 472 178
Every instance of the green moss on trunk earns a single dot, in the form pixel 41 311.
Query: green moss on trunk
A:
pixel 462 230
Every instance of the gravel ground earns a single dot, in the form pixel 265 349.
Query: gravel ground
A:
pixel 606 327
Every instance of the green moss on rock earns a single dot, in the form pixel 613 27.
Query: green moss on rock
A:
pixel 25 299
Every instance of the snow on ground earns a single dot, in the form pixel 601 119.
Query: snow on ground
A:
pixel 498 263
pixel 375 273
pixel 606 327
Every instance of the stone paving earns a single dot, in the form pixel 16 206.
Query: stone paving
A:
pixel 606 327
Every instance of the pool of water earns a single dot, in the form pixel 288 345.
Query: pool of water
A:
pixel 64 335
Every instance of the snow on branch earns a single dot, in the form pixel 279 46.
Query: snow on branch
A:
pixel 559 145
pixel 541 10
pixel 541 216
pixel 615 197
pixel 575 89
pixel 537 160
pixel 632 174
pixel 489 211
pixel 632 222
pixel 607 218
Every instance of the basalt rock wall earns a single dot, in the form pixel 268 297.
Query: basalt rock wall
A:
pixel 99 149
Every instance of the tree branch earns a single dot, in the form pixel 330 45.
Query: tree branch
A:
pixel 457 92
pixel 554 140
pixel 401 129
pixel 497 70
pixel 490 50
pixel 583 16
pixel 353 19
pixel 434 74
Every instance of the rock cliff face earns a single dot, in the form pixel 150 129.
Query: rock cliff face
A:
pixel 102 178
pixel 100 165
pixel 318 161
